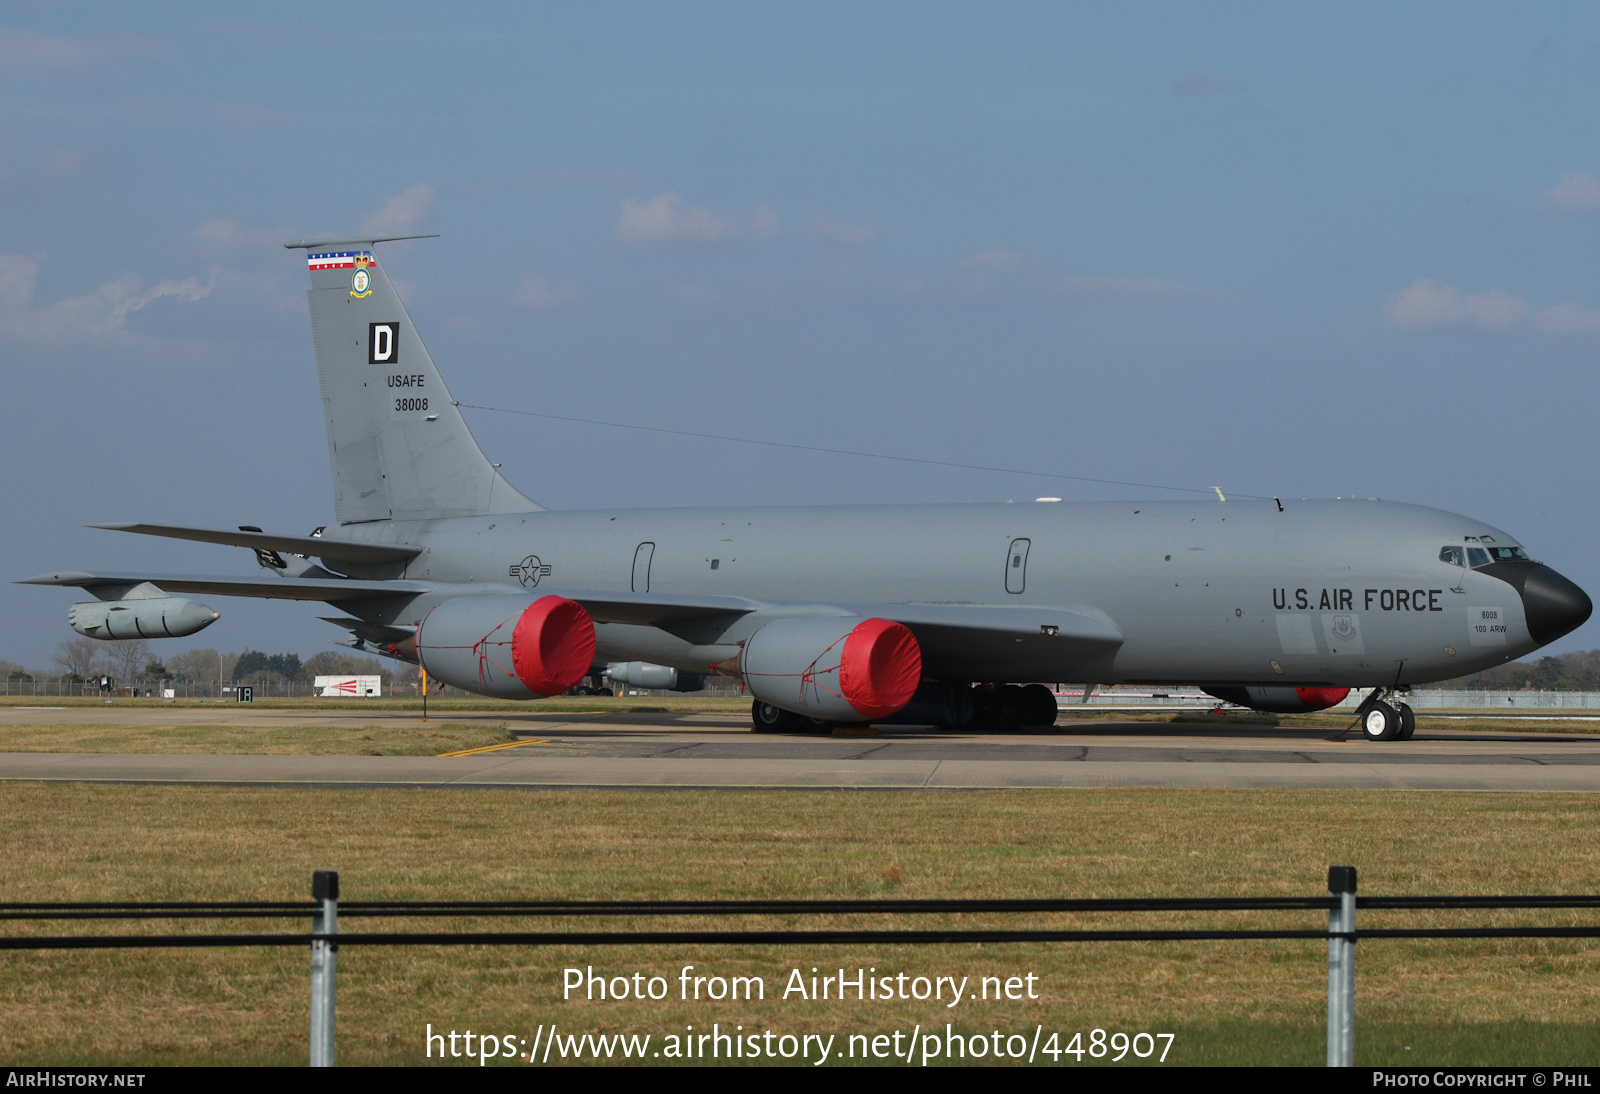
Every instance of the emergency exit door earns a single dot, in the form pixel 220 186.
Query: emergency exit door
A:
pixel 641 567
pixel 1017 566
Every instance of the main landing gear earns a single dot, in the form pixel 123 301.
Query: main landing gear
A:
pixel 767 718
pixel 1384 719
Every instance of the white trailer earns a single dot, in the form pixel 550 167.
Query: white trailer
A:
pixel 362 686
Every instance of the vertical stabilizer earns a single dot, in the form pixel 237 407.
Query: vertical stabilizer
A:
pixel 399 447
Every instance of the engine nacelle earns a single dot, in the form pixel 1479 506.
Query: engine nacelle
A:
pixel 643 674
pixel 510 647
pixel 842 668
pixel 1281 700
pixel 149 617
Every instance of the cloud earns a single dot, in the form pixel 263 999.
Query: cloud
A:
pixel 1576 192
pixel 1431 305
pixel 666 218
pixel 27 55
pixel 1197 84
pixel 986 272
pixel 97 316
pixel 540 293
pixel 1568 319
pixel 401 212
pixel 1428 304
pixel 841 233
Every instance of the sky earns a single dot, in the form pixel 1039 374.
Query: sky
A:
pixel 1295 250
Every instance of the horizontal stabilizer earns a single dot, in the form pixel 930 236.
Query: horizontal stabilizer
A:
pixel 323 589
pixel 355 241
pixel 322 547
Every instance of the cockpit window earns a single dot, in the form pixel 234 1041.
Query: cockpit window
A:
pixel 1455 556
pixel 1482 556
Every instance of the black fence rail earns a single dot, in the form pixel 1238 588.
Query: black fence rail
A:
pixel 324 939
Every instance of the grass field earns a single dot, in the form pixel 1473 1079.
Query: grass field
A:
pixel 1418 1002
pixel 373 739
pixel 390 704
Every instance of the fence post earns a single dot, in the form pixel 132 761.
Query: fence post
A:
pixel 1342 968
pixel 324 966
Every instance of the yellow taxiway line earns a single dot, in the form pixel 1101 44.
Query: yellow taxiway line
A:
pixel 490 748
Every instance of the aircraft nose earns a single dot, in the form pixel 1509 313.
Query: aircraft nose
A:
pixel 1553 605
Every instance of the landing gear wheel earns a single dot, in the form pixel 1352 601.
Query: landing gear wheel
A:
pixel 1408 721
pixel 1007 709
pixel 606 692
pixel 766 718
pixel 1381 723
pixel 1038 706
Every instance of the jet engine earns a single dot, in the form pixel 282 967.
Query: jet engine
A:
pixel 643 674
pixel 159 616
pixel 1280 700
pixel 510 647
pixel 842 668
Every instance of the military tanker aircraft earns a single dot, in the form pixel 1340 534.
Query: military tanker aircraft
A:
pixel 914 614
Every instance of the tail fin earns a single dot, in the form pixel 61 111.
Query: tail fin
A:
pixel 398 445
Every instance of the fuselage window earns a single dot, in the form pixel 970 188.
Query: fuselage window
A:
pixel 1455 556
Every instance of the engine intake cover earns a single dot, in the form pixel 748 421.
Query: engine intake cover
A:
pixel 510 647
pixel 1280 700
pixel 843 668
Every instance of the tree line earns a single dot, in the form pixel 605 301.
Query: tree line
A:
pixel 1576 671
pixel 134 662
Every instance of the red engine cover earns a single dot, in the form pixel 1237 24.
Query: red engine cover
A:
pixel 1321 698
pixel 552 645
pixel 879 667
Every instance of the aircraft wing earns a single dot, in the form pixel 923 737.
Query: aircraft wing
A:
pixel 303 588
pixel 974 635
pixel 320 546
pixel 654 609
pixel 647 609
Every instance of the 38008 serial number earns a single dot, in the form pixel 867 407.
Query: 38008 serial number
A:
pixel 411 404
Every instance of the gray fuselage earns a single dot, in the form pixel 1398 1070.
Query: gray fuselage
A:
pixel 1331 593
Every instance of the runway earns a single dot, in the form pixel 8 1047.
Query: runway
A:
pixel 661 751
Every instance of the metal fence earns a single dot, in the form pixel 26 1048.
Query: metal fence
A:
pixel 181 689
pixel 325 938
pixel 1069 697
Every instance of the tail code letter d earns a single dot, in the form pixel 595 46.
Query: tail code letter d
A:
pixel 383 343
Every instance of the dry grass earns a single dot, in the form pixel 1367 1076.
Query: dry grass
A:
pixel 270 740
pixel 620 704
pixel 1239 1002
